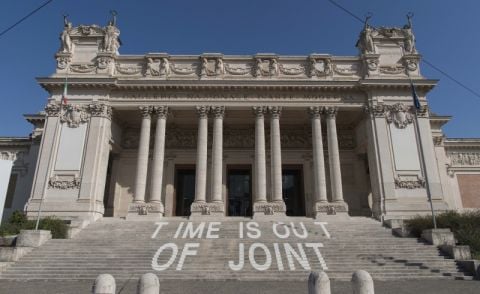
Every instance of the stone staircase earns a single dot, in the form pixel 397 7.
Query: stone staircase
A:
pixel 128 249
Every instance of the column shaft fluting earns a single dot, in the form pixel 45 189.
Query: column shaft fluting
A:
pixel 142 159
pixel 217 153
pixel 276 153
pixel 158 155
pixel 260 164
pixel 320 188
pixel 334 155
pixel 201 166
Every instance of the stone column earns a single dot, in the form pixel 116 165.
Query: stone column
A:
pixel 319 182
pixel 158 158
pixel 276 153
pixel 142 159
pixel 260 163
pixel 217 153
pixel 334 159
pixel 201 166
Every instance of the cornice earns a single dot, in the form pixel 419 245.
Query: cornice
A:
pixel 56 83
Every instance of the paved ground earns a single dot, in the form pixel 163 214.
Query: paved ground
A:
pixel 194 287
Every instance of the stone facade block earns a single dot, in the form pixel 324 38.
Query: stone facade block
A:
pixel 31 238
pixel 457 252
pixel 439 237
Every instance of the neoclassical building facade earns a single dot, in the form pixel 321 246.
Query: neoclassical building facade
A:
pixel 146 136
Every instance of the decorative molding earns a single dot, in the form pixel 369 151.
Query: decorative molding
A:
pixel 183 70
pixel 266 67
pixel 74 115
pixel 275 111
pixel 52 109
pixel 330 112
pixel 161 111
pixel 56 182
pixel 218 111
pixel 259 111
pixel 315 112
pixel 146 111
pixel 423 111
pixel 100 109
pixel 202 111
pixel 63 60
pixel 378 110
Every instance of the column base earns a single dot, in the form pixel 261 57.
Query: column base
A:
pixel 204 209
pixel 330 208
pixel 143 211
pixel 267 209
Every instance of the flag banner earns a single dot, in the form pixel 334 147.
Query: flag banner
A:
pixel 416 102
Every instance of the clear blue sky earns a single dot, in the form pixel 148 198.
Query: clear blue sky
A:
pixel 447 35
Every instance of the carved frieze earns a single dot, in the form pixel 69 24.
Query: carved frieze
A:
pixel 238 70
pixel 183 69
pixel 74 115
pixel 392 69
pixel 64 183
pixel 464 158
pixel 292 70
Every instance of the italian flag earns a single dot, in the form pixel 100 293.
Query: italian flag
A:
pixel 64 95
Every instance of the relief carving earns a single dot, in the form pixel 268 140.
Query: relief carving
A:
pixel 100 109
pixel 74 115
pixel 52 109
pixel 320 67
pixel 465 158
pixel 400 115
pixel 409 182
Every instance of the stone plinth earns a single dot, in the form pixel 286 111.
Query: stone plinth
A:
pixel 268 209
pixel 144 210
pixel 439 237
pixel 31 238
pixel 9 254
pixel 457 252
pixel 328 208
pixel 199 209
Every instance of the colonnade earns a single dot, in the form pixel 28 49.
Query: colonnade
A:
pixel 260 188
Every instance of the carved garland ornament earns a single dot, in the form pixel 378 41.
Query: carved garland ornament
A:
pixel 64 184
pixel 401 183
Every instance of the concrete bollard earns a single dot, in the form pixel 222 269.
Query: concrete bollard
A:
pixel 104 284
pixel 148 284
pixel 318 283
pixel 362 282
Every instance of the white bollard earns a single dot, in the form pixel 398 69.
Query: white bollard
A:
pixel 362 282
pixel 104 284
pixel 148 284
pixel 318 283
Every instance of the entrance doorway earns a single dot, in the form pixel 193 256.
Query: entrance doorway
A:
pixel 292 191
pixel 239 185
pixel 185 190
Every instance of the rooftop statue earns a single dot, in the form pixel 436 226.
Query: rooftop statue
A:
pixel 409 36
pixel 66 41
pixel 111 43
pixel 365 43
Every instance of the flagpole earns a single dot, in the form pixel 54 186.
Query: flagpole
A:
pixel 417 127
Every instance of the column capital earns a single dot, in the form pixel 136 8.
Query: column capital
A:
pixel 275 111
pixel 202 111
pixel 315 111
pixel 161 111
pixel 218 111
pixel 259 111
pixel 330 111
pixel 146 111
pixel 52 109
